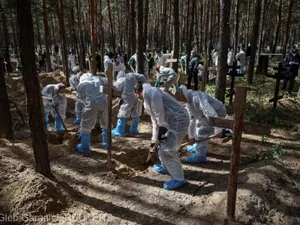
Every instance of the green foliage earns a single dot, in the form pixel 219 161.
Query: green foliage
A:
pixel 274 153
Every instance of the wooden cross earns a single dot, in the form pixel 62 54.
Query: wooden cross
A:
pixel 232 73
pixel 238 126
pixel 278 76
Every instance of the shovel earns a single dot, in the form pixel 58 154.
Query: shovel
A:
pixel 154 149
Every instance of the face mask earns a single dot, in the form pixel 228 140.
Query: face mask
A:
pixel 294 54
pixel 61 94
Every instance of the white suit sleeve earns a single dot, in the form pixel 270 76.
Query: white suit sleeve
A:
pixel 154 130
pixel 205 106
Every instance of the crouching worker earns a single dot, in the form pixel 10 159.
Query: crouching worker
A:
pixel 131 106
pixel 200 107
pixel 55 102
pixel 95 104
pixel 74 81
pixel 166 73
pixel 170 123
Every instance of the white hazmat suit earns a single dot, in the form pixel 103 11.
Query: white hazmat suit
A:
pixel 169 74
pixel 131 106
pixel 74 81
pixel 95 102
pixel 166 112
pixel 200 107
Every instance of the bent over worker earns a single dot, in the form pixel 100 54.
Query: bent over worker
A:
pixel 95 105
pixel 131 106
pixel 200 107
pixel 54 101
pixel 170 123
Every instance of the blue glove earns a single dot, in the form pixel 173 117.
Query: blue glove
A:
pixel 161 133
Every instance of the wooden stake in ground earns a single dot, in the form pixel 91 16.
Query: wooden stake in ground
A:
pixel 238 126
pixel 109 105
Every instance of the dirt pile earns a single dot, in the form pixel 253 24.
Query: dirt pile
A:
pixel 33 194
pixel 52 78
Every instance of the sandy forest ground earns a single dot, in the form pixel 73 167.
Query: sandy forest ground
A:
pixel 84 191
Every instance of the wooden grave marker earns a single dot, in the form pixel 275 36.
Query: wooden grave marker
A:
pixel 238 127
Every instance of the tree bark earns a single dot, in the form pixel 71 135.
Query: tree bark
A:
pixel 175 34
pixel 93 37
pixel 278 25
pixel 133 27
pixel 60 16
pixel 236 26
pixel 47 35
pixel 81 37
pixel 6 38
pixel 6 130
pixel 39 39
pixel 140 43
pixel 254 35
pixel 248 21
pixel 112 35
pixel 31 82
pixel 146 17
pixel 224 39
pixel 287 28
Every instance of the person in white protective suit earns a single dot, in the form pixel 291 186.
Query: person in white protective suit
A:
pixel 133 63
pixel 170 123
pixel 200 107
pixel 71 59
pixel 163 73
pixel 130 105
pixel 215 55
pixel 108 58
pixel 230 57
pixel 74 81
pixel 119 66
pixel 160 59
pixel 54 101
pixel 241 61
pixel 95 105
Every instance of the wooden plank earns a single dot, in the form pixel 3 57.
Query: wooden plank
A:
pixel 109 105
pixel 239 109
pixel 171 60
pixel 247 127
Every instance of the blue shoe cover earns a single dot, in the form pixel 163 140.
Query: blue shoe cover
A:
pixel 160 169
pixel 104 138
pixel 196 159
pixel 173 184
pixel 77 121
pixel 120 129
pixel 84 147
pixel 191 148
pixel 58 126
pixel 134 126
pixel 47 124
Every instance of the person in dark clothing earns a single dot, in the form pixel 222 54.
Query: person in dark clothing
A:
pixel 193 71
pixel 291 63
pixel 98 62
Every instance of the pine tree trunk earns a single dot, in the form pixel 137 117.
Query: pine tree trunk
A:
pixel 146 17
pixel 31 82
pixel 112 35
pixel 140 42
pixel 133 27
pixel 248 21
pixel 93 37
pixel 6 39
pixel 39 40
pixel 81 37
pixel 278 25
pixel 236 26
pixel 254 35
pixel 47 35
pixel 175 34
pixel 262 29
pixel 60 16
pixel 220 91
pixel 6 130
pixel 287 28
